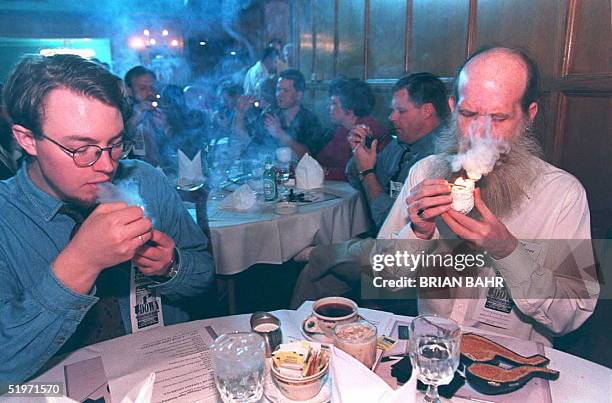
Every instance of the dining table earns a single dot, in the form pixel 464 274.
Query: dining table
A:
pixel 179 355
pixel 263 233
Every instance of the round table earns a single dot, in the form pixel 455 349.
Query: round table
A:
pixel 580 380
pixel 242 239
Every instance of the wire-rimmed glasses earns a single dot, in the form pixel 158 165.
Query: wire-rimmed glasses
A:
pixel 88 155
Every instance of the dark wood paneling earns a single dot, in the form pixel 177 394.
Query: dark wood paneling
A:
pixel 277 20
pixel 544 124
pixel 587 147
pixel 386 44
pixel 591 26
pixel 538 26
pixel 351 15
pixel 439 35
pixel 324 15
pixel 303 9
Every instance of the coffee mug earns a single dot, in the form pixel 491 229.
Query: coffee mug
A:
pixel 330 311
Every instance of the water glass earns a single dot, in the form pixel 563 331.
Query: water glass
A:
pixel 238 365
pixel 434 352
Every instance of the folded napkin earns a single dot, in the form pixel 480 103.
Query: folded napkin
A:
pixel 190 170
pixel 308 173
pixel 241 199
pixel 142 392
pixel 353 382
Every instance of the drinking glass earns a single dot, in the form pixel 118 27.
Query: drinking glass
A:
pixel 434 352
pixel 238 365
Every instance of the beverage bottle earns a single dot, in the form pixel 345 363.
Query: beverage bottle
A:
pixel 269 182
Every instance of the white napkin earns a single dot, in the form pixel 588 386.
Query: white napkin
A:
pixel 241 199
pixel 190 171
pixel 142 392
pixel 308 173
pixel 353 382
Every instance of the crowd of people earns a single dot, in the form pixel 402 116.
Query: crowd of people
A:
pixel 67 259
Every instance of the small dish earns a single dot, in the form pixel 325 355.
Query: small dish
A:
pixel 302 389
pixel 274 395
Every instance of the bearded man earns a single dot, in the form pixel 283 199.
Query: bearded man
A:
pixel 525 210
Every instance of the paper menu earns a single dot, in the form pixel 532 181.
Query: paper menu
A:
pixel 179 356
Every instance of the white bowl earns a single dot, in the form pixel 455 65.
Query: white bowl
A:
pixel 300 389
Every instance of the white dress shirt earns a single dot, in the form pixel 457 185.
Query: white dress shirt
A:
pixel 552 282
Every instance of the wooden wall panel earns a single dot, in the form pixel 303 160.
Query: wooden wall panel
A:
pixel 277 20
pixel 591 26
pixel 439 34
pixel 350 61
pixel 303 11
pixel 386 39
pixel 324 17
pixel 537 26
pixel 587 147
pixel 544 124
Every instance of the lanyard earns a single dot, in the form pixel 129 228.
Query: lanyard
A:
pixel 400 164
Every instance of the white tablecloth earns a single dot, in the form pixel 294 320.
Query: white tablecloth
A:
pixel 580 380
pixel 242 239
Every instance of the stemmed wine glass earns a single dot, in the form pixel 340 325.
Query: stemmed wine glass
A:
pixel 434 352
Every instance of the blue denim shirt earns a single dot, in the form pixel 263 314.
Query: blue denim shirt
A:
pixel 393 163
pixel 37 312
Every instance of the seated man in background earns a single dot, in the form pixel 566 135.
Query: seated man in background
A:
pixel 525 211
pixel 223 114
pixel 351 103
pixel 419 108
pixel 264 68
pixel 71 253
pixel 291 124
pixel 148 124
pixel 248 126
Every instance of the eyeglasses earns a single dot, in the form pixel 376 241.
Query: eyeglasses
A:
pixel 86 156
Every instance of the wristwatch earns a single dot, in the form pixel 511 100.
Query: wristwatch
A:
pixel 363 174
pixel 174 265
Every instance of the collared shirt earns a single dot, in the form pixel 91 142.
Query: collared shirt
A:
pixel 393 163
pixel 258 72
pixel 554 290
pixel 305 128
pixel 37 312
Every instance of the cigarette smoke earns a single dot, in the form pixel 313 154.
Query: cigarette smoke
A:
pixel 481 151
pixel 126 191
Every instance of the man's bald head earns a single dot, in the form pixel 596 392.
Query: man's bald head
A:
pixel 510 67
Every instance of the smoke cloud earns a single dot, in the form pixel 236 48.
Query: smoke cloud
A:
pixel 481 151
pixel 126 191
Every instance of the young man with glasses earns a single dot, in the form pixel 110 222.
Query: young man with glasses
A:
pixel 69 266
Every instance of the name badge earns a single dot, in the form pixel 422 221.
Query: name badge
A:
pixel 145 303
pixel 394 189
